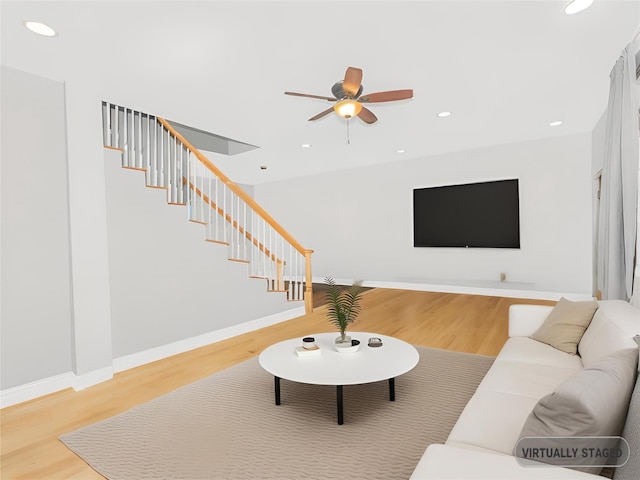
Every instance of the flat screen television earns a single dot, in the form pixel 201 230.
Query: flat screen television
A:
pixel 482 215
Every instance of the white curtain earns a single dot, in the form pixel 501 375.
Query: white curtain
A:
pixel 618 226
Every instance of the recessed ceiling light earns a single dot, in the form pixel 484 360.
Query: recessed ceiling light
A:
pixel 263 167
pixel 40 28
pixel 557 123
pixel 306 145
pixel 577 6
pixel 400 150
pixel 444 114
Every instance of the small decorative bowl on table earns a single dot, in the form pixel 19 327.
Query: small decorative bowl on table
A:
pixel 346 347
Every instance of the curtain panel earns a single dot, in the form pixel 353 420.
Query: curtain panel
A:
pixel 618 228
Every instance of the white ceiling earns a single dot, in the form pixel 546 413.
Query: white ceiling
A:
pixel 504 68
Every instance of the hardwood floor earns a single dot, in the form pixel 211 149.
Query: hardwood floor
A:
pixel 30 448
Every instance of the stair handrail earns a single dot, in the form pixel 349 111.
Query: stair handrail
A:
pixel 308 292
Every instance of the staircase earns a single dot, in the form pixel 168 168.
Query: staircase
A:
pixel 229 215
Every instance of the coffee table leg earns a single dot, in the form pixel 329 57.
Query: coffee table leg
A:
pixel 392 389
pixel 277 389
pixel 340 411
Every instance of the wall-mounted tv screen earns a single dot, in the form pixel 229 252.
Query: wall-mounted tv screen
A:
pixel 484 215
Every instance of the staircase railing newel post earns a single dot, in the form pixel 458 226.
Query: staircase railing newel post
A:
pixel 308 286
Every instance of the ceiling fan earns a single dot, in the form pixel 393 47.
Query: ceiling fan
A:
pixel 349 99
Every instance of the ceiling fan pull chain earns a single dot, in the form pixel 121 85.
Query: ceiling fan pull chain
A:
pixel 348 138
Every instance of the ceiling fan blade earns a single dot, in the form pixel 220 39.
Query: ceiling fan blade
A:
pixel 389 96
pixel 321 97
pixel 352 81
pixel 367 115
pixel 322 114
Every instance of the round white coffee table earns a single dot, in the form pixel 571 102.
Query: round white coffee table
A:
pixel 367 365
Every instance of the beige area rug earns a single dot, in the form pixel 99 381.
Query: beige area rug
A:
pixel 227 426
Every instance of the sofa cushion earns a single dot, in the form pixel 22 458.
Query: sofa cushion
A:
pixel 522 378
pixel 527 350
pixel 456 462
pixel 594 401
pixel 612 329
pixel 492 420
pixel 566 324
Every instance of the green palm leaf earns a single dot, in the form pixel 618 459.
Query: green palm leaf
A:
pixel 343 306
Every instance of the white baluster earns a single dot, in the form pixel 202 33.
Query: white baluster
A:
pixel 237 219
pixel 251 245
pixel 244 226
pixel 115 134
pixel 226 212
pixel 105 124
pixel 152 149
pixel 133 143
pixel 122 137
pixel 216 231
pixel 157 132
pixel 126 137
pixel 138 139
pixel 187 174
pixel 184 158
pixel 176 181
pixel 166 157
pixel 192 188
pixel 161 155
pixel 144 128
pixel 201 189
pixel 265 258
pixel 169 167
pixel 197 188
pixel 210 213
pixel 192 193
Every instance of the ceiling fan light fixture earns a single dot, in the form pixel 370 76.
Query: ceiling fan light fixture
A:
pixel 348 108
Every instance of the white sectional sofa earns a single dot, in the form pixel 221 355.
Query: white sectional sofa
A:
pixel 482 442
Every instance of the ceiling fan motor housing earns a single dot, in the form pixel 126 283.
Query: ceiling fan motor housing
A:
pixel 339 92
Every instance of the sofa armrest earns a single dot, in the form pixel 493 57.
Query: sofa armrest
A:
pixel 441 462
pixel 526 319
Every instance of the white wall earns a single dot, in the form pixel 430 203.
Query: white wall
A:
pixel 94 265
pixel 166 282
pixel 359 222
pixel 36 309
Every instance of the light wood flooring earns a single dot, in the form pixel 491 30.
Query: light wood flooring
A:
pixel 30 448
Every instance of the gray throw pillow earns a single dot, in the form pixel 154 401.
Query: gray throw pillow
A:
pixel 593 402
pixel 631 433
pixel 565 325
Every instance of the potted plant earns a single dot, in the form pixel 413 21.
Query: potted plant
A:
pixel 343 306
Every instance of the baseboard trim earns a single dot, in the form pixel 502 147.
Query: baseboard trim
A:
pixel 491 290
pixel 158 353
pixel 38 388
pixel 90 379
pixel 55 383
